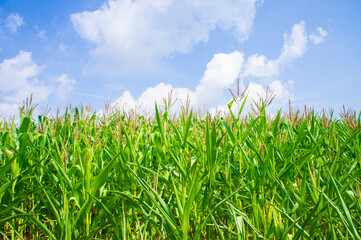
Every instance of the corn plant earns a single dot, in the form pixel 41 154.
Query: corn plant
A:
pixel 127 176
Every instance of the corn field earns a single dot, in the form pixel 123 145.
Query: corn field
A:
pixel 127 176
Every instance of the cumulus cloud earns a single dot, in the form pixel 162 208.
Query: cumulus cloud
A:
pixel 13 22
pixel 136 33
pixel 319 37
pixel 260 66
pixel 295 44
pixel 19 79
pixel 221 73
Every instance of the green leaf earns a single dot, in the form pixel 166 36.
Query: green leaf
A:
pixel 25 124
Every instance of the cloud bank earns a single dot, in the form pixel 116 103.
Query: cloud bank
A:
pixel 128 34
pixel 222 71
pixel 19 79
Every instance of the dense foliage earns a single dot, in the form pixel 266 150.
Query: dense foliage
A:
pixel 126 176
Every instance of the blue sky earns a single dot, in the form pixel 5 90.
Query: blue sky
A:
pixel 133 53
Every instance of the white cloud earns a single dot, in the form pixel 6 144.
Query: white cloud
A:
pixel 260 66
pixel 65 86
pixel 222 69
pixel 221 74
pixel 136 33
pixel 145 102
pixel 295 44
pixel 19 79
pixel 319 37
pixel 13 22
